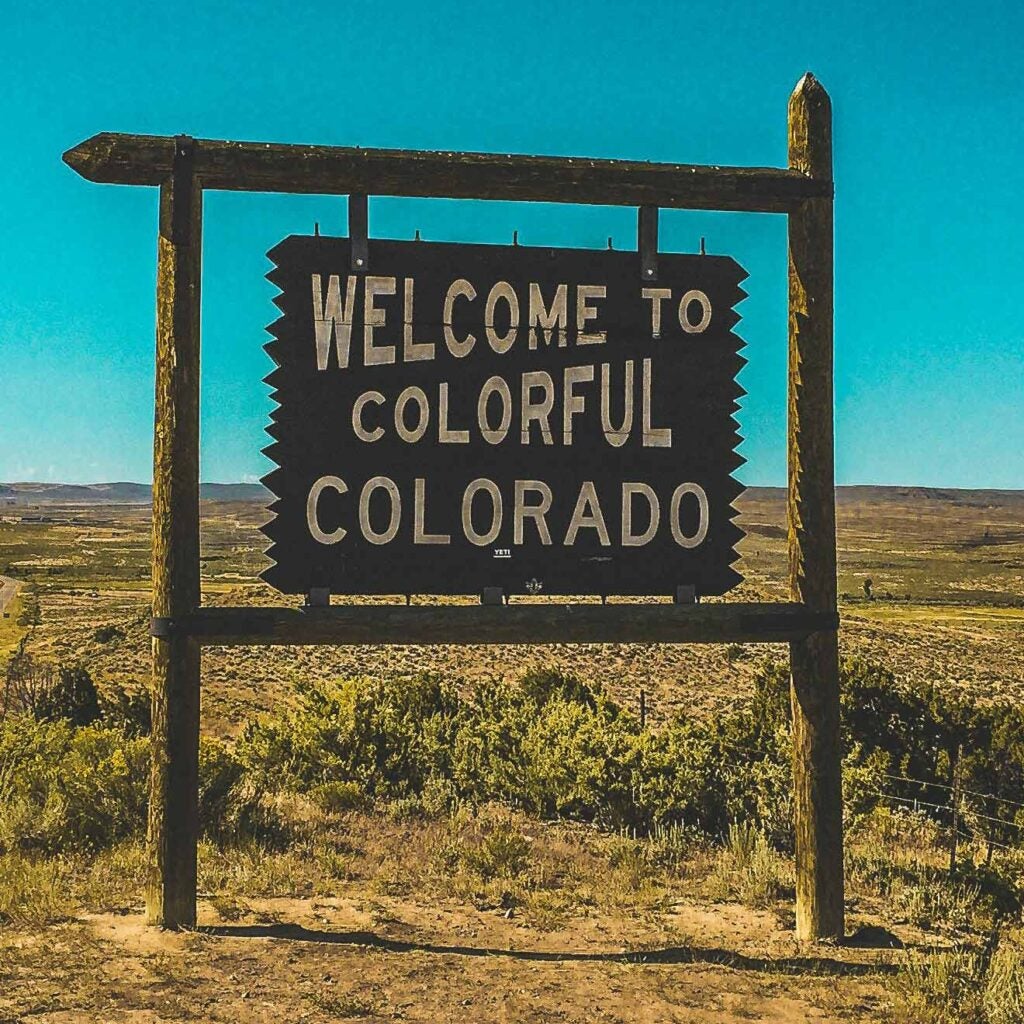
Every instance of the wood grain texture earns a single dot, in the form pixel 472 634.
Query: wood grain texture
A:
pixel 173 807
pixel 336 170
pixel 814 659
pixel 503 624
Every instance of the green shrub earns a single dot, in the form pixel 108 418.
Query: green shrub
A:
pixel 30 615
pixel 544 684
pixel 548 745
pixel 578 761
pixel 67 788
pixel 126 710
pixel 233 805
pixel 387 736
pixel 497 850
pixel 108 633
pixel 337 797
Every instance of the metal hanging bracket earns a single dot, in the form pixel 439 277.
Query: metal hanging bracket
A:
pixel 647 242
pixel 359 230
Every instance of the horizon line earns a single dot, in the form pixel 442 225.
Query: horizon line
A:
pixel 260 484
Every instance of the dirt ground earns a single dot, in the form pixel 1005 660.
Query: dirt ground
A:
pixel 344 958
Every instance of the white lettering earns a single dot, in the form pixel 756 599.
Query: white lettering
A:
pixel 444 434
pixel 417 395
pixel 684 312
pixel 413 351
pixel 656 297
pixel 316 531
pixel 654 437
pixel 494 386
pixel 391 489
pixel 616 437
pixel 587 515
pixel 537 513
pixel 419 518
pixel 333 319
pixel 585 312
pixel 502 291
pixel 634 540
pixel 537 411
pixel 373 317
pixel 491 488
pixel 458 289
pixel 543 318
pixel 357 416
pixel 702 505
pixel 571 402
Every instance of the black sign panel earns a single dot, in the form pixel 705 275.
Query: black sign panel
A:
pixel 455 417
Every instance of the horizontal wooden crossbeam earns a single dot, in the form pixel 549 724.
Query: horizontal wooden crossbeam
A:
pixel 505 624
pixel 339 170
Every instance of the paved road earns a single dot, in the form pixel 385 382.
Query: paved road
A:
pixel 8 588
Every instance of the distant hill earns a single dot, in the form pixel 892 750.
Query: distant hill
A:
pixel 123 493
pixel 119 493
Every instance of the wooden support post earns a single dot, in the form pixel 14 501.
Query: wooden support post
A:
pixel 812 529
pixel 174 785
pixel 954 803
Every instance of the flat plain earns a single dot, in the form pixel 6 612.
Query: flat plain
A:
pixel 945 567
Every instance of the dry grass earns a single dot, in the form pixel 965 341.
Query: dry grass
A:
pixel 34 891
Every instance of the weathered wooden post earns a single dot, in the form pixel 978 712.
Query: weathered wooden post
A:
pixel 812 528
pixel 173 796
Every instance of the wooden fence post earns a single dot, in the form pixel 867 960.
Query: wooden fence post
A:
pixel 174 784
pixel 812 529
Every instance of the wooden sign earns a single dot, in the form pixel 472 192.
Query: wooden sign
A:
pixel 452 418
pixel 642 385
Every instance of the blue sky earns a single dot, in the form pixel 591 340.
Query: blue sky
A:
pixel 929 169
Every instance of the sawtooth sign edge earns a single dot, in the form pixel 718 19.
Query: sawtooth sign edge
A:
pixel 453 417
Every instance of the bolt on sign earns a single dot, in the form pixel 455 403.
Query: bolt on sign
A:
pixel 456 417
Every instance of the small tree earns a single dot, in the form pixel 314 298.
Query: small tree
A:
pixel 72 697
pixel 26 683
